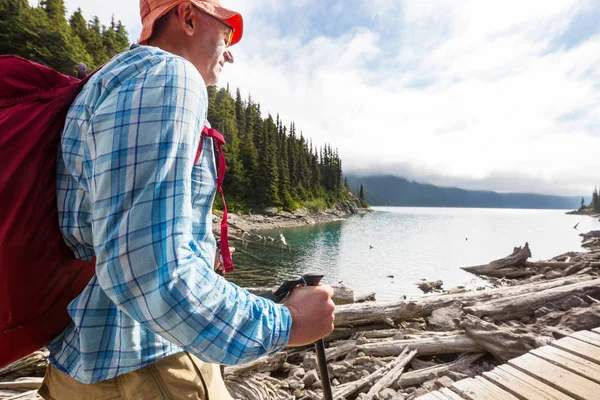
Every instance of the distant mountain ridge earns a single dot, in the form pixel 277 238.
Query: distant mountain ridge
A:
pixel 387 190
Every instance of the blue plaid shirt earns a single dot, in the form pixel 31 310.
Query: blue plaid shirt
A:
pixel 130 194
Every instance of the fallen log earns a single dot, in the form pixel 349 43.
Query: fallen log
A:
pixel 263 364
pixel 23 384
pixel 515 307
pixel 575 319
pixel 413 378
pixel 502 342
pixel 353 315
pixel 256 387
pixel 512 266
pixel 352 387
pixel 456 343
pixel 390 377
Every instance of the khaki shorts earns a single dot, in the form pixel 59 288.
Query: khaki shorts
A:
pixel 180 376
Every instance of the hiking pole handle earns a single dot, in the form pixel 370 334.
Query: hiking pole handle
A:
pixel 314 280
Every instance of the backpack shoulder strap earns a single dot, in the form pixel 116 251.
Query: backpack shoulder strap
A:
pixel 222 166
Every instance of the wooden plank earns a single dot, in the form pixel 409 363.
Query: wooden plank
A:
pixel 498 391
pixel 521 389
pixel 480 389
pixel 596 330
pixel 557 377
pixel 587 337
pixel 569 361
pixel 549 392
pixel 439 396
pixel 577 347
pixel 450 394
pixel 431 396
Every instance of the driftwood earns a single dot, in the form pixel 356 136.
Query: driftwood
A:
pixel 403 359
pixel 263 364
pixel 512 266
pixel 514 307
pixel 390 377
pixel 503 342
pixel 458 343
pixel 417 377
pixel 371 313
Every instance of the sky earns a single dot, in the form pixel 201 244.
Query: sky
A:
pixel 478 94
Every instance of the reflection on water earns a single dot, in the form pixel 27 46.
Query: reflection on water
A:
pixel 313 248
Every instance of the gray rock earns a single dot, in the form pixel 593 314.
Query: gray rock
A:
pixel 575 268
pixel 427 287
pixel 309 362
pixel 546 309
pixel 444 381
pixel 553 274
pixel 297 373
pixel 389 394
pixel 572 302
pixel 310 378
pixel 446 318
pixel 271 211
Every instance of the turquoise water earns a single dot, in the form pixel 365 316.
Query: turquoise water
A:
pixel 409 244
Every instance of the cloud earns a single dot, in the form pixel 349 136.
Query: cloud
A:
pixel 498 95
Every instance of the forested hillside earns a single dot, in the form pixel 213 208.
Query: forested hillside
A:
pixel 269 164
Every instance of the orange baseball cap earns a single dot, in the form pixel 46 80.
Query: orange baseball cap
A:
pixel 152 10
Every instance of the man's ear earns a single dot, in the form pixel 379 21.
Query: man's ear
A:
pixel 186 15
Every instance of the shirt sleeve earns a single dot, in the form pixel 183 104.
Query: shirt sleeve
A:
pixel 141 145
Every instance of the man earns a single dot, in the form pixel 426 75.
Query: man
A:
pixel 132 195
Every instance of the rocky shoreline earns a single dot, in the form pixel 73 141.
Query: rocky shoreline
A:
pixel 273 219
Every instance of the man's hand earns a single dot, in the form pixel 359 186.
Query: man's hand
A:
pixel 312 314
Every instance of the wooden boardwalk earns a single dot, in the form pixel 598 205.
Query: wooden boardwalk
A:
pixel 569 368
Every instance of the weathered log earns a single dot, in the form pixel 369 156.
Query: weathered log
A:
pixel 23 384
pixel 256 387
pixel 514 307
pixel 456 343
pixel 390 377
pixel 27 366
pixel 413 378
pixel 28 395
pixel 503 342
pixel 371 313
pixel 512 266
pixel 263 364
pixel 575 319
pixel 353 387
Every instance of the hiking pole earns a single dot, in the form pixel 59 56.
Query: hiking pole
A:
pixel 278 296
pixel 313 280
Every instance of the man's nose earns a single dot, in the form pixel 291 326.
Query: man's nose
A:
pixel 228 57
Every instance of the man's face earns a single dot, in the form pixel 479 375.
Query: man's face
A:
pixel 212 43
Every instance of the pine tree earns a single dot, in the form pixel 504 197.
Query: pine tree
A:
pixel 121 38
pixel 361 193
pixel 109 39
pixel 284 174
pixel 13 32
pixel 93 43
pixel 51 41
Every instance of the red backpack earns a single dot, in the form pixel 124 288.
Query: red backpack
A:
pixel 39 275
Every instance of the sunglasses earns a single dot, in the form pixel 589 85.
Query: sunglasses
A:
pixel 229 37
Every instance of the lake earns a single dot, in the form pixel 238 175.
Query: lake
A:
pixel 410 244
